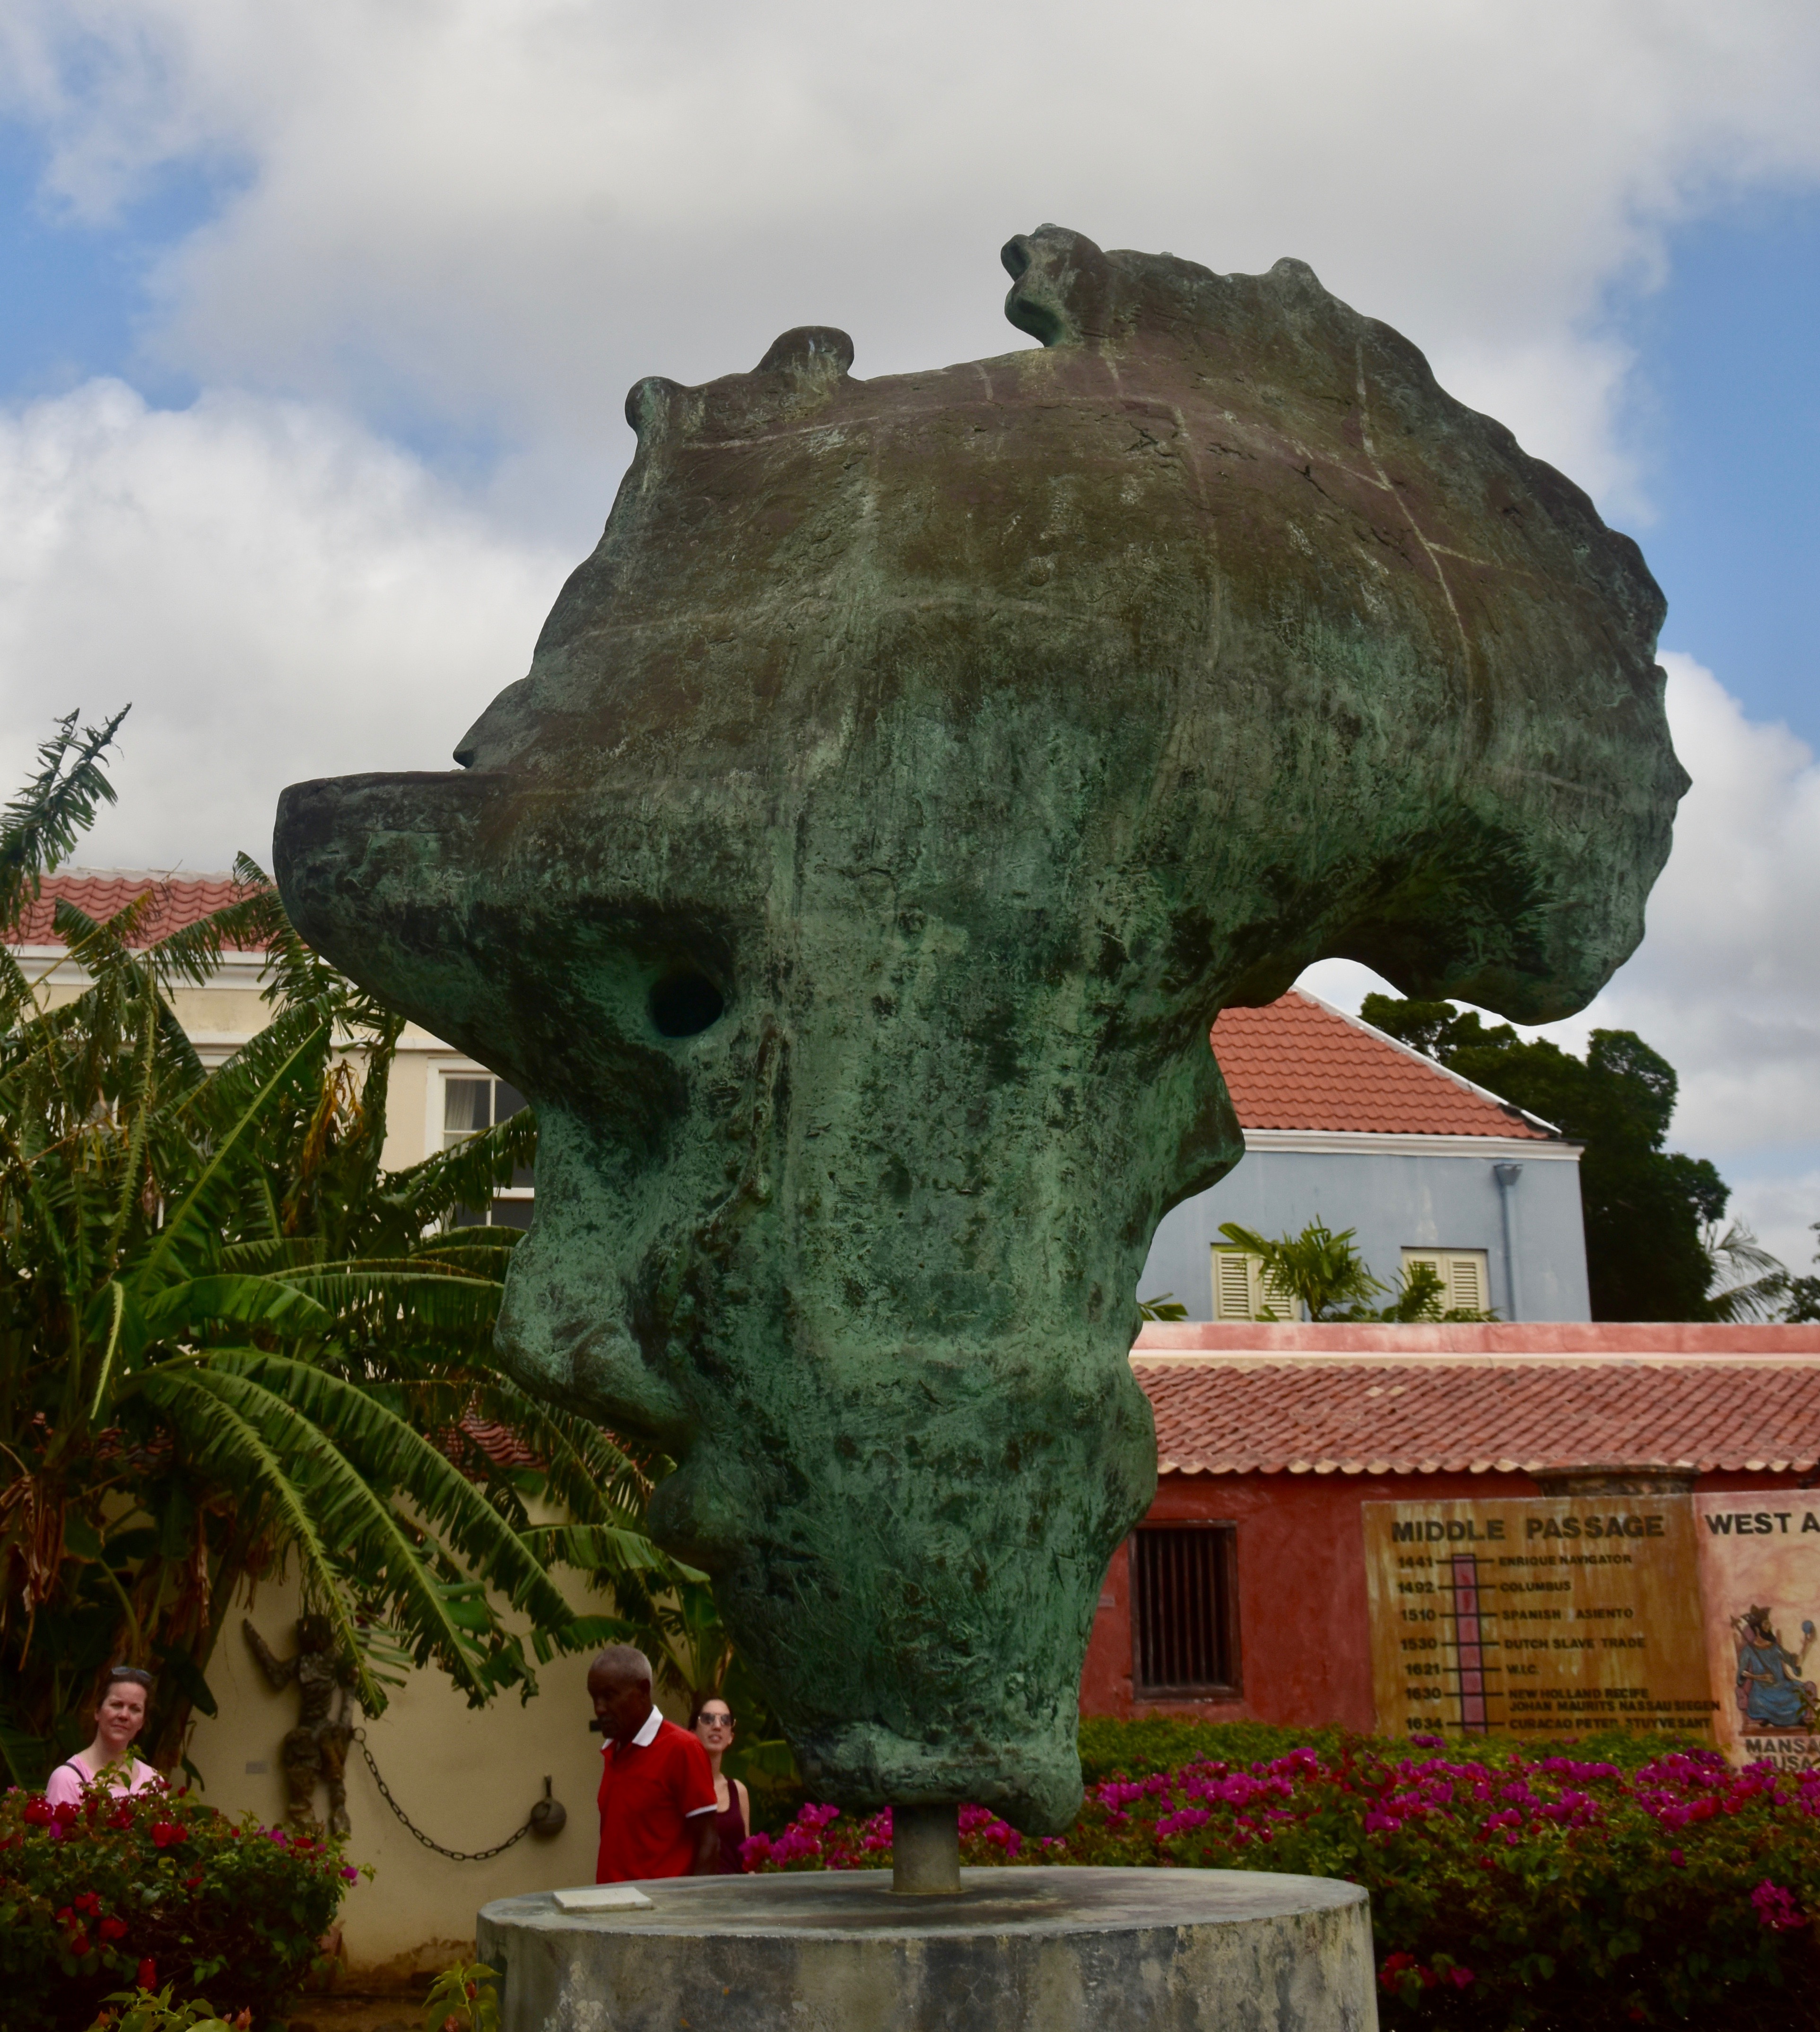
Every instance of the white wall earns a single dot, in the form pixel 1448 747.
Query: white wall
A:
pixel 467 1776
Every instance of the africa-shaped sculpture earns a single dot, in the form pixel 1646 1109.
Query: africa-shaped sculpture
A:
pixel 897 795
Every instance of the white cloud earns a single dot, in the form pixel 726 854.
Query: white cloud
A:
pixel 503 215
pixel 1726 984
pixel 279 595
pixel 485 221
pixel 1781 1212
pixel 1729 973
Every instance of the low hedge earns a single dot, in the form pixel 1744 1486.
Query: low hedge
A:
pixel 153 1889
pixel 1116 1749
pixel 1112 1749
pixel 1508 1890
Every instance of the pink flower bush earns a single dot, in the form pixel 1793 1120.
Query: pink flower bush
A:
pixel 1776 1908
pixel 813 1841
pixel 104 1895
pixel 1544 1885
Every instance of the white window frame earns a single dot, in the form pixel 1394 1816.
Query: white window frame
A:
pixel 438 1132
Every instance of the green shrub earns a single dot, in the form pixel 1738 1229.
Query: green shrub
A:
pixel 464 1998
pixel 153 1890
pixel 1111 1749
pixel 158 2011
pixel 1508 1890
pixel 1115 1748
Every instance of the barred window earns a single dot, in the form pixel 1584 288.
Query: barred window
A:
pixel 1185 1609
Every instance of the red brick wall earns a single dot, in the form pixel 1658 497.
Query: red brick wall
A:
pixel 1304 1634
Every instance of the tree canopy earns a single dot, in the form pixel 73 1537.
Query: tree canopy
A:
pixel 1650 1211
pixel 1804 1292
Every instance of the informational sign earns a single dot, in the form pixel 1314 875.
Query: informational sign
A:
pixel 1760 1587
pixel 1535 1617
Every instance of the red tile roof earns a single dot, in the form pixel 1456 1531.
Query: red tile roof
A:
pixel 177 900
pixel 1297 1063
pixel 1432 1414
pixel 501 1446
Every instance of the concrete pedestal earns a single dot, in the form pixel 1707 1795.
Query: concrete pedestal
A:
pixel 1014 1950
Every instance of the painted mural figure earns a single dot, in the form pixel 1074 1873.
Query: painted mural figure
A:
pixel 1771 1692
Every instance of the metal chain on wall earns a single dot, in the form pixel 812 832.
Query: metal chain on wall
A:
pixel 454 1854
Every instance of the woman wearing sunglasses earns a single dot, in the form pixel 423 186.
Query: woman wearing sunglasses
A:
pixel 109 1760
pixel 712 1722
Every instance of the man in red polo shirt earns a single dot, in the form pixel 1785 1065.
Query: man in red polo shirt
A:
pixel 657 1803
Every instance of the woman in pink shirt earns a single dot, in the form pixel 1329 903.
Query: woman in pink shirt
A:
pixel 109 1760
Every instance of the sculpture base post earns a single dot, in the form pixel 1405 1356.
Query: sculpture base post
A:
pixel 925 1850
pixel 1049 1950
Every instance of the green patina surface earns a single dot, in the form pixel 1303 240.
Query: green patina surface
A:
pixel 912 774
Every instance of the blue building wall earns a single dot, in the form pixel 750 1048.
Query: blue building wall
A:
pixel 1398 1193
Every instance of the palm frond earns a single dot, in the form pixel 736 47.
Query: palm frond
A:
pixel 604 1548
pixel 296 976
pixel 587 1471
pixel 16 992
pixel 449 1302
pixel 466 1175
pixel 227 1429
pixel 187 1225
pixel 346 1529
pixel 104 946
pixel 390 1453
pixel 1744 1280
pixel 265 1254
pixel 248 1300
pixel 193 952
pixel 485 1252
pixel 180 1054
pixel 583 1633
pixel 41 825
pixel 137 1105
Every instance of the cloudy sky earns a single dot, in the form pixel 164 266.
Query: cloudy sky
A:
pixel 315 320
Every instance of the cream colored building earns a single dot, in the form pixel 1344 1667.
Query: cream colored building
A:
pixel 436 1096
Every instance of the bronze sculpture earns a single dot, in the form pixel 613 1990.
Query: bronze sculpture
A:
pixel 316 1751
pixel 897 795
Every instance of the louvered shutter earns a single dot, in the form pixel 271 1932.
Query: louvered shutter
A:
pixel 1232 1284
pixel 1465 1283
pixel 1462 1273
pixel 1271 1293
pixel 1413 1258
